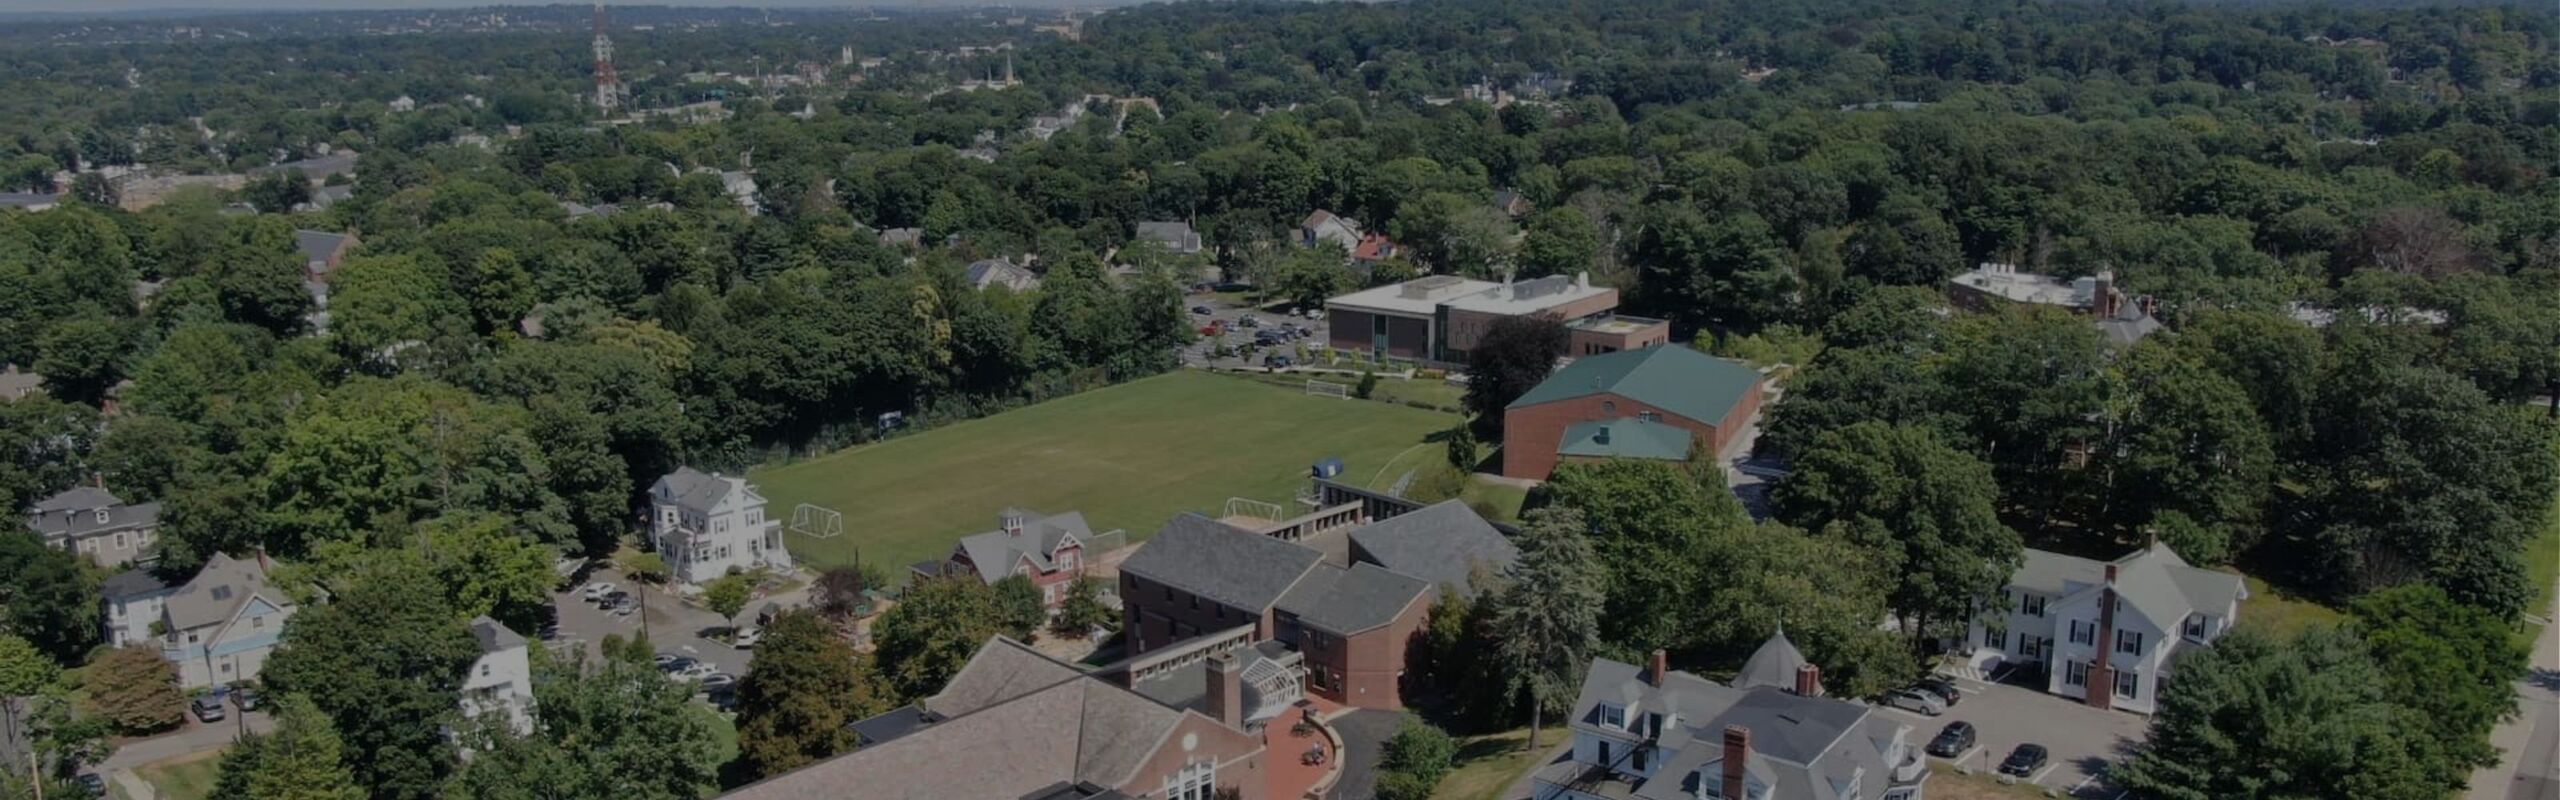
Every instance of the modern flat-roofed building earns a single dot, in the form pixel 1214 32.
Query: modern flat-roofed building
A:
pixel 1442 317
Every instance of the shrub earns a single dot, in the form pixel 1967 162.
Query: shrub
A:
pixel 1368 385
pixel 136 690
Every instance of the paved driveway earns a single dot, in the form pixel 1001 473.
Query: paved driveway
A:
pixel 2083 740
pixel 1364 735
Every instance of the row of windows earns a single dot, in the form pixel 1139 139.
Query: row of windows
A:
pixel 2087 633
pixel 124 540
pixel 2128 683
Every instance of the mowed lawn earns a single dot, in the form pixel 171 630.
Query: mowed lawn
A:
pixel 1129 457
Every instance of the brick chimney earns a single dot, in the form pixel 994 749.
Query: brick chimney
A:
pixel 1808 680
pixel 1661 667
pixel 1737 758
pixel 1226 690
pixel 2106 301
pixel 2101 691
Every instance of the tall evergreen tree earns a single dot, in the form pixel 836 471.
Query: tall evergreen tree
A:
pixel 1547 621
pixel 301 759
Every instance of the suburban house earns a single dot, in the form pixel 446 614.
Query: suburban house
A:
pixel 322 253
pixel 1511 203
pixel 2122 320
pixel 707 526
pixel 221 625
pixel 1650 733
pixel 1050 550
pixel 1441 317
pixel 91 521
pixel 16 383
pixel 1658 403
pixel 1017 724
pixel 1324 226
pixel 1000 272
pixel 1347 622
pixel 2121 624
pixel 1176 236
pixel 134 600
pixel 501 680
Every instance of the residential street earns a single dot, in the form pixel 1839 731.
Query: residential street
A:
pixel 2531 741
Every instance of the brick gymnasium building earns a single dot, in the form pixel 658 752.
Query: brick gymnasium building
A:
pixel 1654 403
pixel 1441 317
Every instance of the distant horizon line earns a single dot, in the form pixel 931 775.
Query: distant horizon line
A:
pixel 75 10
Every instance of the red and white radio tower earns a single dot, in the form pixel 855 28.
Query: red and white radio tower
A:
pixel 608 87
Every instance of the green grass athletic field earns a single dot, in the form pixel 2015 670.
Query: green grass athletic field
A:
pixel 1128 456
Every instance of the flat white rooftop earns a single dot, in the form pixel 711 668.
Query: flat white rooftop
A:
pixel 1424 296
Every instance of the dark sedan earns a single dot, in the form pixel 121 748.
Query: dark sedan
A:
pixel 2024 761
pixel 1952 740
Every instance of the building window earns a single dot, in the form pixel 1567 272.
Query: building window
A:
pixel 226 668
pixel 2195 626
pixel 102 516
pixel 257 622
pixel 1195 602
pixel 2032 605
pixel 122 541
pixel 1220 613
pixel 1995 639
pixel 2076 673
pixel 1609 407
pixel 1197 780
pixel 1613 717
pixel 1648 416
pixel 484 670
pixel 2128 641
pixel 2128 685
pixel 2083 633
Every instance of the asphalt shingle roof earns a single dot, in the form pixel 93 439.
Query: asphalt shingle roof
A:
pixel 493 636
pixel 1677 379
pixel 217 592
pixel 1444 543
pixel 1233 566
pixel 317 245
pixel 695 491
pixel 1348 601
pixel 994 552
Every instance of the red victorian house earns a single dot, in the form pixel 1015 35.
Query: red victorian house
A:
pixel 1050 550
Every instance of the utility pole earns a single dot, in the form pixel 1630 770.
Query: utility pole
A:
pixel 608 86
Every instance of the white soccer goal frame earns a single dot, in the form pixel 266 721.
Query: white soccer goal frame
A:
pixel 1329 389
pixel 816 521
pixel 1255 509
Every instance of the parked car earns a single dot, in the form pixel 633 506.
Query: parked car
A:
pixel 623 605
pixel 1248 321
pixel 677 664
pixel 719 682
pixel 1202 310
pixel 208 708
pixel 1276 361
pixel 92 782
pixel 1916 701
pixel 1943 688
pixel 747 637
pixel 1316 314
pixel 1952 740
pixel 596 592
pixel 1211 330
pixel 247 698
pixel 664 659
pixel 695 671
pixel 2024 761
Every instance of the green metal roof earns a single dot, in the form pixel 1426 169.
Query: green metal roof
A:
pixel 1670 377
pixel 1626 437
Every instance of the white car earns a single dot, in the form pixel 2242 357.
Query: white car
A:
pixel 595 592
pixel 747 638
pixel 693 673
pixel 1916 701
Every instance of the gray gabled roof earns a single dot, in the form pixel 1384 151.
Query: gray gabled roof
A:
pixel 78 498
pixel 1800 746
pixel 994 552
pixel 131 583
pixel 1444 543
pixel 218 591
pixel 1774 664
pixel 317 245
pixel 693 490
pixel 1348 601
pixel 2154 580
pixel 493 636
pixel 1233 566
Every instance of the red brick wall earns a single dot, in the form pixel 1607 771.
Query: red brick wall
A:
pixel 1366 669
pixel 1156 621
pixel 1590 343
pixel 1466 327
pixel 1240 759
pixel 1530 435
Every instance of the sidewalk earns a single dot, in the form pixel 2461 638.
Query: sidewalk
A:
pixel 195 738
pixel 2532 738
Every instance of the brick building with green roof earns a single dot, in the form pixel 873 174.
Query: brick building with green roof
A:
pixel 1655 402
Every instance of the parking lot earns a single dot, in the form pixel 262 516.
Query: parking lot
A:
pixel 673 626
pixel 2083 740
pixel 1201 352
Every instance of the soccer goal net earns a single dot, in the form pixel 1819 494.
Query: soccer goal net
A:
pixel 816 522
pixel 1329 389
